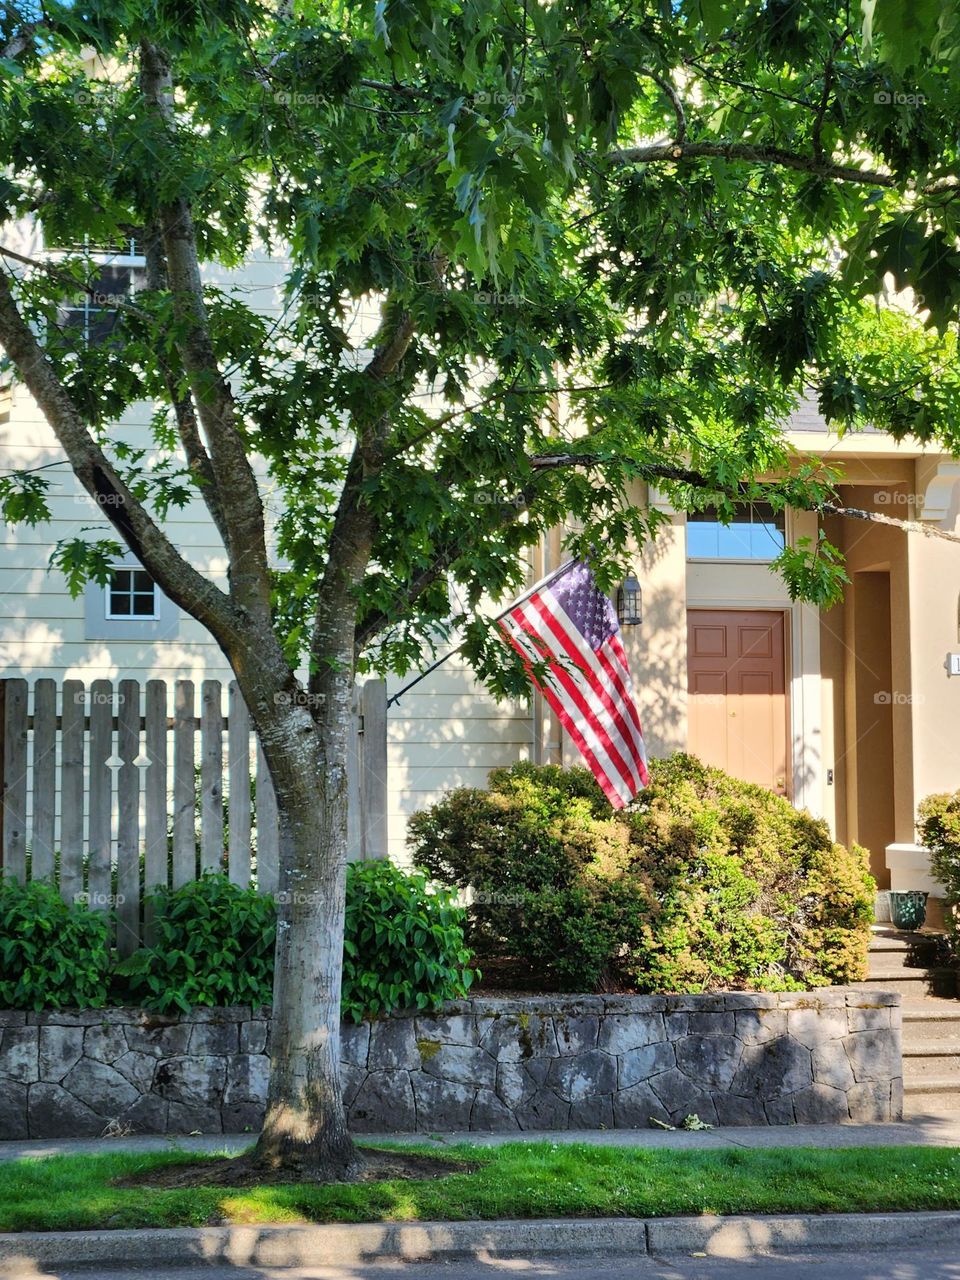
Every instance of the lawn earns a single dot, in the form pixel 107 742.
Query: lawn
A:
pixel 521 1180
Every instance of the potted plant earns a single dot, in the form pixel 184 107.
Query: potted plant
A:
pixel 908 908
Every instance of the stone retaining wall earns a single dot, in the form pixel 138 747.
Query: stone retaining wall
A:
pixel 566 1062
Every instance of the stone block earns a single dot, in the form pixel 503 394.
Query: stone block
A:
pixel 812 1027
pixel 820 1104
pixel 20 1054
pixel 515 1038
pixel 74 1017
pixel 195 1082
pixel 60 1049
pixel 149 1114
pixel 355 1043
pixel 12 1018
pixel 873 1055
pixel 577 1035
pixel 868 1019
pixel 100 1087
pixel 441 1104
pixel 456 1029
pixel 640 1064
pixel 592 1113
pixel 160 1038
pixel 831 1067
pixel 393 1046
pixel 351 1079
pixel 732 1110
pixel 822 998
pixel 384 1104
pixel 253 1037
pixel 710 1061
pixel 242 1117
pixel 675 1091
pixel 635 1107
pixel 185 1117
pixel 696 1004
pixel 222 1013
pixel 869 1102
pixel 55 1113
pixel 757 1026
pixel 710 1024
pixel 896 1099
pixel 247 1077
pixel 773 1069
pixel 13 1111
pixel 106 1043
pixel 462 1064
pixel 491 1114
pixel 544 1110
pixel 780 1111
pixel 738 1000
pixel 138 1068
pixel 583 1076
pixel 214 1038
pixel 515 1084
pixel 621 1032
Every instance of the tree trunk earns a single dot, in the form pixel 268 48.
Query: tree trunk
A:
pixel 305 1129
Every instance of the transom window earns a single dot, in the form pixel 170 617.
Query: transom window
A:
pixel 131 593
pixel 756 532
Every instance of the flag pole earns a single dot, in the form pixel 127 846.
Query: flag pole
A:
pixel 537 586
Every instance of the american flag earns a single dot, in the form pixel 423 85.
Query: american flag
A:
pixel 566 622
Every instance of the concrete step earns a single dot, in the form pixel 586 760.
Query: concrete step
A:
pixel 940 1062
pixel 932 1094
pixel 891 941
pixel 913 983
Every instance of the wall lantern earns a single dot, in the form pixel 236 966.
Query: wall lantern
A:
pixel 630 602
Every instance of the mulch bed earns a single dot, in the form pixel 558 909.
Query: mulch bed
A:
pixel 241 1171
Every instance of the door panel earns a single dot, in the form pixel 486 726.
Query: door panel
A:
pixel 737 707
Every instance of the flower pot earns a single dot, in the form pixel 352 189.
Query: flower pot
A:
pixel 908 907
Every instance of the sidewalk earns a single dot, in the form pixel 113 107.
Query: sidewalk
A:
pixel 933 1130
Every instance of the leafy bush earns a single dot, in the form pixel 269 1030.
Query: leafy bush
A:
pixel 938 825
pixel 705 882
pixel 53 954
pixel 213 945
pixel 403 944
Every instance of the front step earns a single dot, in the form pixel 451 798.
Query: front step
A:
pixel 937 1059
pixel 912 983
pixel 932 1094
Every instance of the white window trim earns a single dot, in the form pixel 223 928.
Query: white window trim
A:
pixel 130 617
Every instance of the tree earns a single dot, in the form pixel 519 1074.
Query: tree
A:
pixel 607 243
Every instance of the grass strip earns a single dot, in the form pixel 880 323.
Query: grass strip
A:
pixel 519 1180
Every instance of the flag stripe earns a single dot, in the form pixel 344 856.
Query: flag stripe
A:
pixel 605 735
pixel 566 720
pixel 581 654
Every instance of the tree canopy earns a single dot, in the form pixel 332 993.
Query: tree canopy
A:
pixel 608 242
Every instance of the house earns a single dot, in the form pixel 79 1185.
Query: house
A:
pixel 852 712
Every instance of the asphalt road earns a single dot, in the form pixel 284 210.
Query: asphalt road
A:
pixel 832 1265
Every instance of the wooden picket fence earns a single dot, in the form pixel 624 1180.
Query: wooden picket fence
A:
pixel 100 790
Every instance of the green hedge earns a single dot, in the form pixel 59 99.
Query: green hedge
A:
pixel 938 826
pixel 214 943
pixel 706 882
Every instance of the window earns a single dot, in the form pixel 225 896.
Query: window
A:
pixel 131 593
pixel 116 273
pixel 756 532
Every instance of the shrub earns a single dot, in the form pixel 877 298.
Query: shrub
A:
pixel 403 944
pixel 938 825
pixel 53 954
pixel 705 882
pixel 213 945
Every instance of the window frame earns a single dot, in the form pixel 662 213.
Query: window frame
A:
pixel 722 559
pixel 108 591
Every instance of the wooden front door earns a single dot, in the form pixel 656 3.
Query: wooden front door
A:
pixel 736 679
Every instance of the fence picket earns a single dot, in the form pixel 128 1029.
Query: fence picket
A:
pixel 184 786
pixel 44 779
pixel 14 850
pixel 238 820
pixel 73 710
pixel 211 777
pixel 155 798
pixel 100 832
pixel 268 843
pixel 128 818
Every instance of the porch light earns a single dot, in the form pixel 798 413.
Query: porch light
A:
pixel 630 602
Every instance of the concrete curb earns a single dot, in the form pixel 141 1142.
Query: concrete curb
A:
pixel 356 1244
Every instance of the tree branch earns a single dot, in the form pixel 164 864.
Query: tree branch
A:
pixel 657 152
pixel 675 102
pixel 184 584
pixel 235 483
